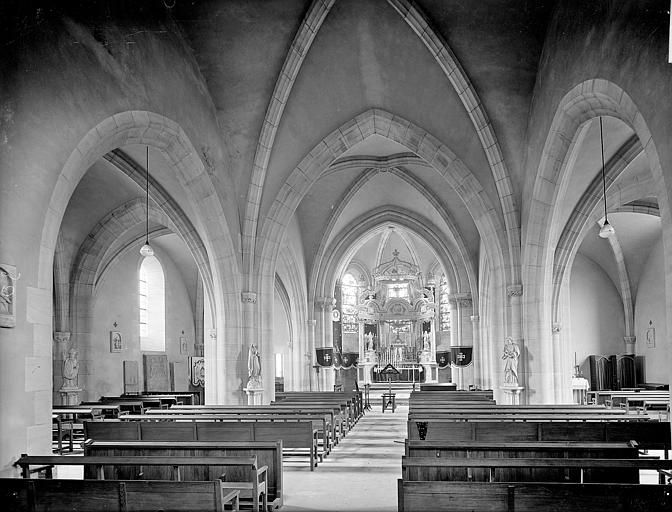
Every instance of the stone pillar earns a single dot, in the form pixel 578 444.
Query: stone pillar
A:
pixel 61 343
pixel 326 374
pixel 311 355
pixel 199 324
pixel 556 341
pixel 629 344
pixel 461 316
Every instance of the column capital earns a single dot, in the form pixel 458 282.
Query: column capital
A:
pixel 213 334
pixel 514 290
pixel 462 299
pixel 556 327
pixel 61 336
pixel 630 339
pixel 325 302
pixel 248 297
pixel 475 318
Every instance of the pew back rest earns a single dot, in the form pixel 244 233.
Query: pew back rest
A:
pixel 268 454
pixel 38 495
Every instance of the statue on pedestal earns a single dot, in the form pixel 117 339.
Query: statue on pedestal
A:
pixel 254 368
pixel 426 343
pixel 70 370
pixel 369 341
pixel 510 356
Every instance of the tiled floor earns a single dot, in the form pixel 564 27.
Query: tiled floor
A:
pixel 360 473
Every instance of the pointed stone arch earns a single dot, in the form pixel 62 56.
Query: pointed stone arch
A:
pixel 426 146
pixel 465 90
pixel 589 99
pixel 148 128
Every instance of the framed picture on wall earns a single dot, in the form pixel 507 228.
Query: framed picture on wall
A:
pixel 116 341
pixel 651 337
pixel 184 348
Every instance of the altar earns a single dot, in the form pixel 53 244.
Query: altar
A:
pixel 397 325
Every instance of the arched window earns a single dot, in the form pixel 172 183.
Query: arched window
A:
pixel 444 305
pixel 349 294
pixel 152 305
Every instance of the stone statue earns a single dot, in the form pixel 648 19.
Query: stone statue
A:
pixel 426 344
pixel 6 292
pixel 254 367
pixel 369 341
pixel 510 356
pixel 70 369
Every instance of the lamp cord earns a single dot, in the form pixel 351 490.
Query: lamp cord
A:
pixel 147 200
pixel 604 181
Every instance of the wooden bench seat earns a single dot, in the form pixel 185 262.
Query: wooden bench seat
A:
pixel 41 495
pixel 268 454
pixel 253 486
pixel 323 418
pixel 433 468
pixel 649 435
pixel 427 496
pixel 529 417
pixel 297 436
pixel 482 449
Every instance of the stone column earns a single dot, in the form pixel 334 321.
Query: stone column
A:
pixel 629 344
pixel 311 356
pixel 61 343
pixel 556 328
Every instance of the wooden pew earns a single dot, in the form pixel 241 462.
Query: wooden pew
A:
pixel 324 418
pixel 297 436
pixel 649 435
pixel 17 494
pixel 295 443
pixel 557 449
pixel 441 469
pixel 254 484
pixel 268 454
pixel 426 496
pixel 353 398
pixel 483 415
pixel 185 397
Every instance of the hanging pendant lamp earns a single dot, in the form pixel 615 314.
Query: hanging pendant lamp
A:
pixel 146 250
pixel 607 229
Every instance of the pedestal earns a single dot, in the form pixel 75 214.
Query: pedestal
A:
pixel 365 368
pixel 512 394
pixel 431 372
pixel 580 390
pixel 254 396
pixel 70 396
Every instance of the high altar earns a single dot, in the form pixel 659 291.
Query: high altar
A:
pixel 397 325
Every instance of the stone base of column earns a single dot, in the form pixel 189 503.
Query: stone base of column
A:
pixel 70 396
pixel 512 394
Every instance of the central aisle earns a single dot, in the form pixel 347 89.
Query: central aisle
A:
pixel 360 473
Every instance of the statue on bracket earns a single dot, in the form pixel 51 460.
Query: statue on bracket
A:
pixel 70 370
pixel 254 368
pixel 426 344
pixel 510 357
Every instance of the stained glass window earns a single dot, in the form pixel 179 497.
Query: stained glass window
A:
pixel 444 304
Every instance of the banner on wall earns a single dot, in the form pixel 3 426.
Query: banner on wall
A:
pixel 443 359
pixel 325 356
pixel 461 356
pixel 349 359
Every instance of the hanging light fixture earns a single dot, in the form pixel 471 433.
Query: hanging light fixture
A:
pixel 607 229
pixel 146 250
